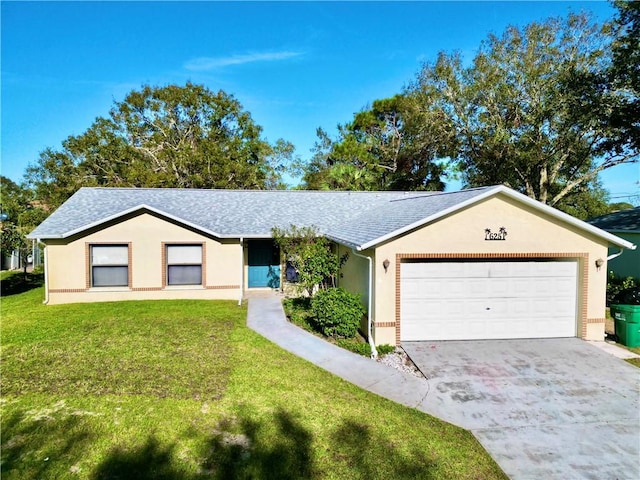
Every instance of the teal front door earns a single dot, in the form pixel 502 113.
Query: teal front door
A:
pixel 264 264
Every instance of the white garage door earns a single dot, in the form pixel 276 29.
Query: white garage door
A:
pixel 487 300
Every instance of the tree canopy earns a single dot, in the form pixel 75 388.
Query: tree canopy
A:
pixel 514 110
pixel 531 111
pixel 20 214
pixel 387 146
pixel 317 266
pixel 173 136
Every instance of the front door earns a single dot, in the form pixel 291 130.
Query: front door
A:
pixel 264 264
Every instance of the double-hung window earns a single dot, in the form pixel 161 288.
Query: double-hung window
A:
pixel 184 264
pixel 109 265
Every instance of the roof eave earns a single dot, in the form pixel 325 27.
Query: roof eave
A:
pixel 129 211
pixel 612 239
pixel 598 232
pixel 344 242
pixel 431 218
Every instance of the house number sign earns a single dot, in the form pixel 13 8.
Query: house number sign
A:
pixel 501 234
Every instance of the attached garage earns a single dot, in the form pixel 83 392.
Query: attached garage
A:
pixel 481 263
pixel 478 299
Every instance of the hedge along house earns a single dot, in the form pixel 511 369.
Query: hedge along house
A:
pixel 482 263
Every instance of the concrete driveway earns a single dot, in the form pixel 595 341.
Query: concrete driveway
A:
pixel 544 409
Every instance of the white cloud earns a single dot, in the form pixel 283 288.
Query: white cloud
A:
pixel 209 63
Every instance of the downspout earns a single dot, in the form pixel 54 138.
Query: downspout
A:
pixel 241 271
pixel 611 257
pixel 46 275
pixel 374 351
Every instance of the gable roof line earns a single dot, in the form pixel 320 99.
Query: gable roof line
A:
pixel 427 220
pixel 128 211
pixel 360 244
pixel 162 213
pixel 598 232
pixel 613 239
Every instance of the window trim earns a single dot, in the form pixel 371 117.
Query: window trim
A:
pixel 166 265
pixel 89 263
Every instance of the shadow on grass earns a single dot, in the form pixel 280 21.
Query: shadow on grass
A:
pixel 366 454
pixel 58 442
pixel 238 449
pixel 279 448
pixel 31 446
pixel 146 462
pixel 18 282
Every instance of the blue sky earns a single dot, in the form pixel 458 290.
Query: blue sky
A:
pixel 294 66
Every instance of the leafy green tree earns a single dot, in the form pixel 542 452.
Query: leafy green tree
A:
pixel 378 150
pixel 311 255
pixel 619 206
pixel 173 136
pixel 513 111
pixel 586 201
pixel 12 199
pixel 20 215
pixel 624 75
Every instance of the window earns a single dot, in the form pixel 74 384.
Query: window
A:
pixel 184 264
pixel 109 265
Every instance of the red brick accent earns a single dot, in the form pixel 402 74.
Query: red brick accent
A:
pixel 163 263
pixel 222 287
pixel 384 324
pixel 595 320
pixel 129 265
pixel 87 262
pixel 204 265
pixel 583 290
pixel 67 290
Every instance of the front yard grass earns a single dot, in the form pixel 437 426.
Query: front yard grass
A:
pixel 183 390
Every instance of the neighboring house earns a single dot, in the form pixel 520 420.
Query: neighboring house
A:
pixel 624 224
pixel 482 263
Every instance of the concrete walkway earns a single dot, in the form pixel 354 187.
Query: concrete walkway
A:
pixel 266 317
pixel 508 445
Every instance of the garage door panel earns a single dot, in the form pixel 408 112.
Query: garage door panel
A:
pixel 478 300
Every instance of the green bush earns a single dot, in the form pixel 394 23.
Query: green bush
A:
pixel 361 347
pixel 385 349
pixel 354 345
pixel 616 284
pixel 298 312
pixel 337 312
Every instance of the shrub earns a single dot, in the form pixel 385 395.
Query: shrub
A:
pixel 616 284
pixel 337 312
pixel 298 312
pixel 361 347
pixel 385 349
pixel 355 346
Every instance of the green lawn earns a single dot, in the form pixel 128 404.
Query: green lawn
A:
pixel 183 390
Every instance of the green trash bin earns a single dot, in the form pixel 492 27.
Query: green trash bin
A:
pixel 627 324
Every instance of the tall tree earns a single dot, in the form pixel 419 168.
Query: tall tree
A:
pixel 514 112
pixel 625 74
pixel 20 215
pixel 173 136
pixel 387 146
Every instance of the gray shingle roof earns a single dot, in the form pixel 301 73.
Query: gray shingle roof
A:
pixel 622 221
pixel 356 219
pixel 399 215
pixel 350 216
